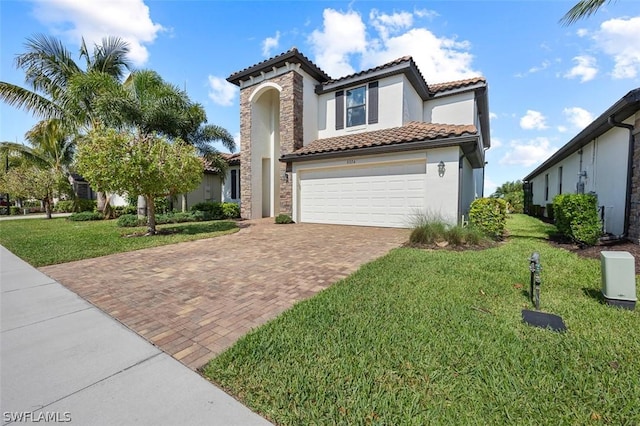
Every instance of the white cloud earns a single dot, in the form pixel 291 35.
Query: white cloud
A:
pixel 236 139
pixel 528 153
pixel 582 32
pixel 342 35
pixel 533 120
pixel 221 91
pixel 94 20
pixel 562 129
pixel 390 24
pixel 496 143
pixel 425 13
pixel 543 66
pixel 270 43
pixel 578 117
pixel 620 39
pixel 585 68
pixel 493 116
pixel 489 187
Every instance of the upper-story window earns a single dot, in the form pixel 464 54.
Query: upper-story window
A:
pixel 352 108
pixel 356 106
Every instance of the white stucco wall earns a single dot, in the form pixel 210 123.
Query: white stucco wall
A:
pixel 605 162
pixel 390 109
pixel 226 186
pixel 310 104
pixel 412 103
pixel 442 192
pixel 467 187
pixel 209 189
pixel 454 109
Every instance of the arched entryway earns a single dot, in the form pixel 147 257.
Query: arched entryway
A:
pixel 265 150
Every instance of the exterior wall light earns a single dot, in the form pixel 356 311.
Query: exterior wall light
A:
pixel 441 169
pixel 285 177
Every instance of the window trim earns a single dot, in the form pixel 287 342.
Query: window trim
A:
pixel 350 108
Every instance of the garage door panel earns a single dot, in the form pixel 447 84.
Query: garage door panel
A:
pixel 381 195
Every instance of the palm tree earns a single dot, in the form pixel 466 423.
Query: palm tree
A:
pixel 51 149
pixel 583 9
pixel 51 77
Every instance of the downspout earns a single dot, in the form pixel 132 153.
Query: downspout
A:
pixel 627 202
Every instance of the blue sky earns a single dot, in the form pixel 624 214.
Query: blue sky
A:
pixel 546 81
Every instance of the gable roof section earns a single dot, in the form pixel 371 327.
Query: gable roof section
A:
pixel 290 56
pixel 412 136
pixel 457 85
pixel 626 106
pixel 232 160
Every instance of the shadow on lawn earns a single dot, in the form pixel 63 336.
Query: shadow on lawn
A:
pixel 199 228
pixel 594 294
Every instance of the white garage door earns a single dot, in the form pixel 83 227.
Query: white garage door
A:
pixel 380 195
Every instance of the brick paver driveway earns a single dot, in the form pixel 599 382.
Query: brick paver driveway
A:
pixel 195 299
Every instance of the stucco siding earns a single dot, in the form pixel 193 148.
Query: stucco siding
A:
pixel 467 187
pixel 412 103
pixel 310 108
pixel 601 166
pixel 454 109
pixel 209 189
pixel 390 109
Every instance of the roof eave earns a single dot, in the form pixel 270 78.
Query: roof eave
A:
pixel 279 61
pixel 383 149
pixel 620 111
pixel 407 67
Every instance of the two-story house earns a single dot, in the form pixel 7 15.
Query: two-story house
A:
pixel 372 148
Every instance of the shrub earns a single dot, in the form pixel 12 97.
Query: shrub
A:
pixel 550 212
pixel 84 205
pixel 490 216
pixel 283 219
pixel 211 209
pixel 130 221
pixel 122 210
pixel 431 230
pixel 84 216
pixel 576 217
pixel 230 210
pixel 64 206
pixel 161 205
pixel 14 210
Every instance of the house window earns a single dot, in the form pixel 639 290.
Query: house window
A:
pixel 560 180
pixel 356 109
pixel 235 185
pixel 546 187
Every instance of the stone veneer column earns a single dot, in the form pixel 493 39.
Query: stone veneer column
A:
pixel 245 153
pixel 291 137
pixel 634 211
pixel 291 132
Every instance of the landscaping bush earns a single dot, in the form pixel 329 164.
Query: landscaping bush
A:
pixel 283 219
pixel 211 209
pixel 84 205
pixel 429 230
pixel 15 210
pixel 122 210
pixel 490 216
pixel 230 210
pixel 64 206
pixel 84 216
pixel 130 221
pixel 576 217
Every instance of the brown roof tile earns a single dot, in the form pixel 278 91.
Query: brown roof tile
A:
pixel 370 70
pixel 411 132
pixel 232 159
pixel 450 85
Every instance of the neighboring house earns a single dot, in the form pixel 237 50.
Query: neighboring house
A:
pixel 603 159
pixel 212 188
pixel 372 148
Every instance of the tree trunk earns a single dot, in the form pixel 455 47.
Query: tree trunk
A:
pixel 142 206
pixel 151 218
pixel 184 203
pixel 47 207
pixel 101 201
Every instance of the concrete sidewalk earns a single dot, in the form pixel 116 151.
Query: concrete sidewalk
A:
pixel 63 359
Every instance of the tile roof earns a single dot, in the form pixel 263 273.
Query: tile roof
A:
pixel 451 85
pixel 371 70
pixel 291 55
pixel 411 132
pixel 232 159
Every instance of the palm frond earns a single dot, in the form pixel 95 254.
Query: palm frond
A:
pixel 583 9
pixel 29 101
pixel 110 57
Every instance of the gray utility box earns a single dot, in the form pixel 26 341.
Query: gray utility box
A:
pixel 619 278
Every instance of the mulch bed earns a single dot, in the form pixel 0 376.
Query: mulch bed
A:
pixel 594 251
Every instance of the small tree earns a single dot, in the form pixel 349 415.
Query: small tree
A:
pixel 146 164
pixel 30 181
pixel 513 194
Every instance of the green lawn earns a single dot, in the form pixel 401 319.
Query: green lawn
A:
pixel 435 337
pixel 44 242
